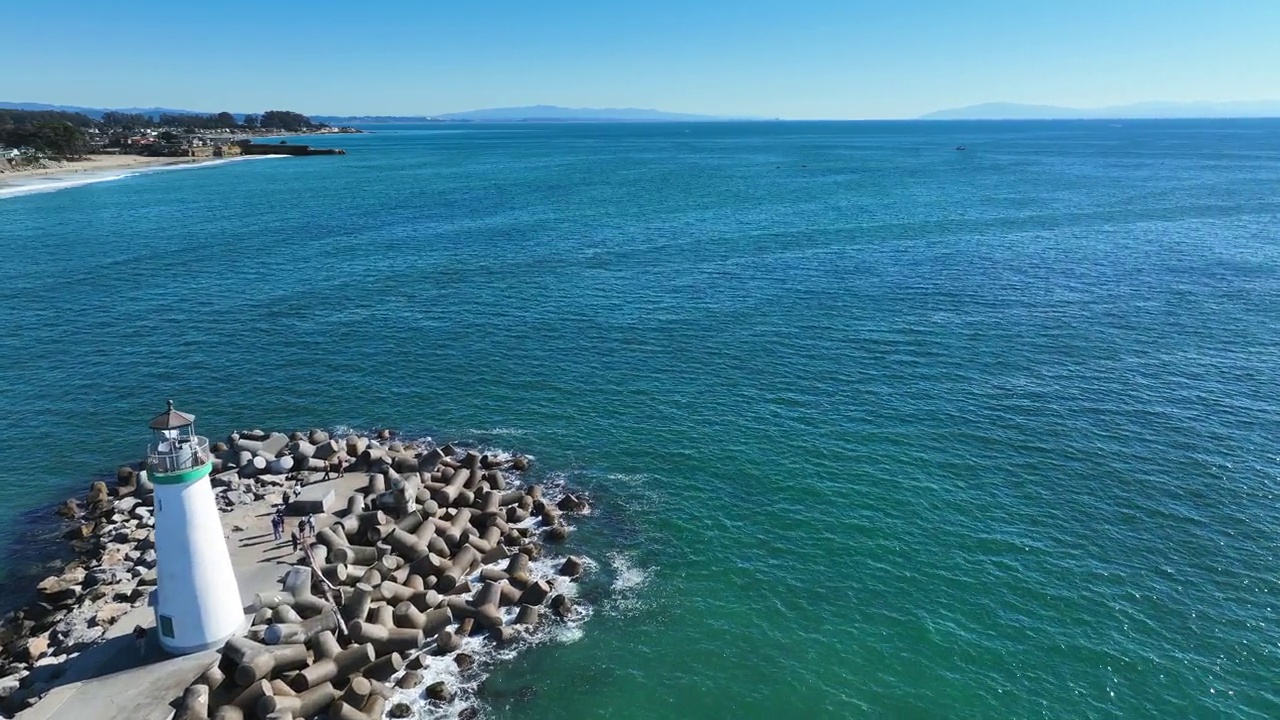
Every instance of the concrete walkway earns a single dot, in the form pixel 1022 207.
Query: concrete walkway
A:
pixel 109 681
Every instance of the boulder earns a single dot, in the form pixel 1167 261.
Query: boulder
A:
pixel 74 630
pixel 110 613
pixel 113 575
pixel 113 555
pixel 9 684
pixel 572 503
pixel 439 691
pixel 572 566
pixel 397 711
pixel 126 476
pixel 33 648
pixel 60 590
pixel 98 499
pixel 70 509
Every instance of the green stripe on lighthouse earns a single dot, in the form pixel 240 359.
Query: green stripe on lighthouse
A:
pixel 184 477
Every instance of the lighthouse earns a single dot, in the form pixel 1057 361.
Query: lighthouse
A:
pixel 197 601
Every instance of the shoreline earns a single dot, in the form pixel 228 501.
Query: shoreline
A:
pixel 54 172
pixel 70 650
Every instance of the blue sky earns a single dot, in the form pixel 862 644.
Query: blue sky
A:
pixel 775 58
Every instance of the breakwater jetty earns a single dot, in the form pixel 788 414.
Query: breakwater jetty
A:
pixel 283 148
pixel 423 557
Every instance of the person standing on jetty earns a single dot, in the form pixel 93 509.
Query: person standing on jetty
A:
pixel 140 639
pixel 293 537
pixel 277 527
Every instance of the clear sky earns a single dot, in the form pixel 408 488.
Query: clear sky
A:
pixel 774 58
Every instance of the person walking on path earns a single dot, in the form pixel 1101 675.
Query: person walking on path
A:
pixel 311 525
pixel 293 537
pixel 302 529
pixel 342 464
pixel 140 639
pixel 277 527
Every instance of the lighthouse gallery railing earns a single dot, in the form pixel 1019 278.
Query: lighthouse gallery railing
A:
pixel 179 454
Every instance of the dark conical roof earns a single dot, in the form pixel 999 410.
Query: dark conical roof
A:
pixel 171 419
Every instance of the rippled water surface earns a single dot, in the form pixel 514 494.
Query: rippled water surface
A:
pixel 875 428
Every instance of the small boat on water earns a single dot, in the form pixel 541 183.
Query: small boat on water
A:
pixel 960 147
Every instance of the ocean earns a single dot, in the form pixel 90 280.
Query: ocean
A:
pixel 873 427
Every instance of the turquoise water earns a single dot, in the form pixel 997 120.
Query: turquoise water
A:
pixel 874 428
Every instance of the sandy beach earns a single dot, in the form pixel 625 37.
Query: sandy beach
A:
pixel 93 165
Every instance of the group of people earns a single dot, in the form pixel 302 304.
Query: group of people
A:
pixel 336 467
pixel 306 525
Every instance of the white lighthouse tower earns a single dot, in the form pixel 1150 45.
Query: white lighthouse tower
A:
pixel 196 599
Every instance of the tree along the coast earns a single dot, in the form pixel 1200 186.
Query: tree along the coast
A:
pixel 59 138
pixel 287 121
pixel 66 134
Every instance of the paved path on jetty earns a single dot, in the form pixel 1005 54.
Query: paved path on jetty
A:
pixel 108 681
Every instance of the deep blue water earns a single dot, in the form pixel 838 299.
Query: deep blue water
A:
pixel 876 428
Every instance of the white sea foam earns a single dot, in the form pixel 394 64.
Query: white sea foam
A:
pixel 512 432
pixel 51 183
pixel 626 575
pixel 465 683
pixel 629 581
pixel 550 629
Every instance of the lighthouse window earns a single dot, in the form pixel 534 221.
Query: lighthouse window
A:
pixel 166 626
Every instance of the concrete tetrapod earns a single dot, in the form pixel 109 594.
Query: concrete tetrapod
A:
pixel 384 667
pixel 306 704
pixel 325 645
pixel 357 608
pixel 326 669
pixel 301 632
pixel 195 704
pixel 386 639
pixel 269 660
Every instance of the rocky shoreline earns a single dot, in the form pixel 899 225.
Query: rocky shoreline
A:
pixel 439 547
pixel 114 571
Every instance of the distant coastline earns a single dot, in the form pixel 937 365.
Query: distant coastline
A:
pixel 1257 109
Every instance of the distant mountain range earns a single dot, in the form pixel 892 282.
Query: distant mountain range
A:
pixel 532 113
pixel 96 112
pixel 1135 111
